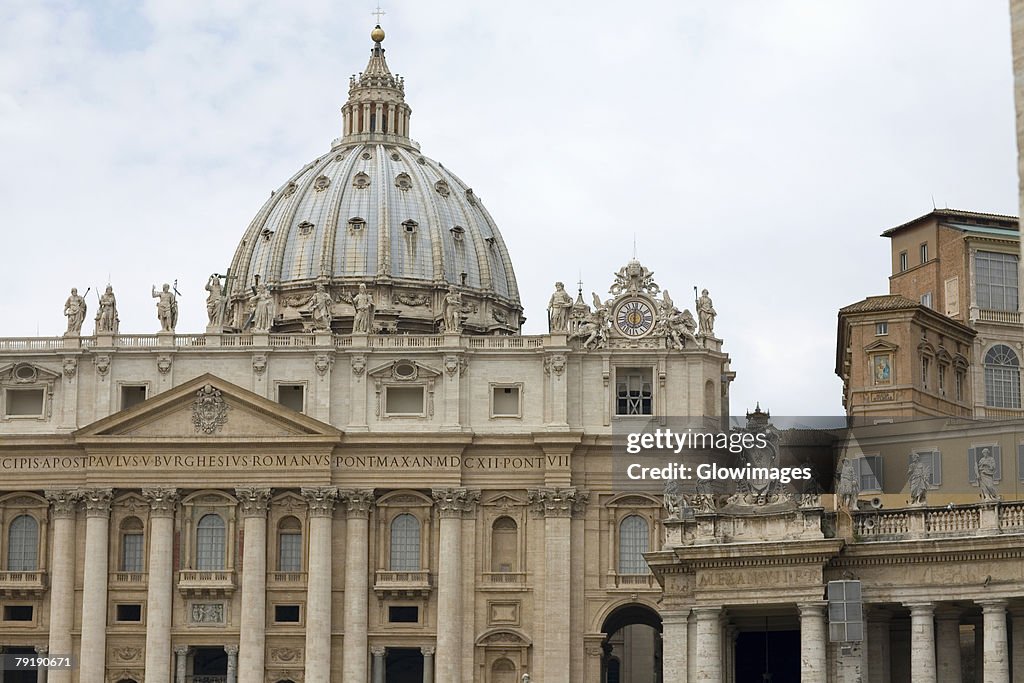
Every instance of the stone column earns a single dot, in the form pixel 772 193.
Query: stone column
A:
pixel 252 630
pixel 979 652
pixel 878 644
pixel 674 627
pixel 41 671
pixel 813 641
pixel 691 647
pixel 997 666
pixel 92 664
pixel 318 583
pixel 1017 653
pixel 922 642
pixel 428 664
pixel 357 505
pixel 160 577
pixel 62 576
pixel 451 505
pixel 181 663
pixel 947 644
pixel 232 651
pixel 378 663
pixel 709 644
pixel 729 652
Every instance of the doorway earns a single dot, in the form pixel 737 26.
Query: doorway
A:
pixel 403 665
pixel 768 657
pixel 632 645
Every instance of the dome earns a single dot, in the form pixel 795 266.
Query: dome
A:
pixel 374 211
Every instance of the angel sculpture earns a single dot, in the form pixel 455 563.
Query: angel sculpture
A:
pixel 676 325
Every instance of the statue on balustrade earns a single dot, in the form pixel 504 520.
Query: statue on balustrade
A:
pixel 559 308
pixel 74 309
pixel 320 304
pixel 706 314
pixel 166 308
pixel 918 476
pixel 848 486
pixel 106 317
pixel 986 467
pixel 362 323
pixel 214 300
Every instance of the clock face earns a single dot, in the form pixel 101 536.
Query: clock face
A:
pixel 634 318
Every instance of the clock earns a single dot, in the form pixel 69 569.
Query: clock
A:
pixel 634 317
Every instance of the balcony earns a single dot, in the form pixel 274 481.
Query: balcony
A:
pixel 203 583
pixel 987 315
pixel 633 582
pixel 206 679
pixel 127 580
pixel 22 584
pixel 504 580
pixel 286 579
pixel 403 583
pixel 979 519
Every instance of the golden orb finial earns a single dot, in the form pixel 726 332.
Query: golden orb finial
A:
pixel 377 34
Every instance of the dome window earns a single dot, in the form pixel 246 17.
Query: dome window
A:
pixel 403 181
pixel 356 224
pixel 395 157
pixel 305 227
pixel 470 197
pixel 339 156
pixel 442 188
pixel 367 156
pixel 267 233
pixel 421 161
pixel 458 232
pixel 361 181
pixel 410 225
pixel 289 190
pixel 321 183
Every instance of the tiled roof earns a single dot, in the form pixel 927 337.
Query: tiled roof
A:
pixel 955 213
pixel 885 302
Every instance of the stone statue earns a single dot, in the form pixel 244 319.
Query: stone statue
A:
pixel 74 309
pixel 706 314
pixel 526 678
pixel 320 304
pixel 106 317
pixel 215 300
pixel 672 499
pixel 593 330
pixel 559 308
pixel 677 326
pixel 166 308
pixel 918 474
pixel 362 323
pixel 262 302
pixel 451 311
pixel 986 466
pixel 848 486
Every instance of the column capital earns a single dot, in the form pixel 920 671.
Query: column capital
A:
pixel 42 650
pixel 920 608
pixel 97 501
pixel 320 500
pixel 231 650
pixel 812 609
pixel 378 651
pixel 182 650
pixel 357 501
pixel 428 650
pixel 707 612
pixel 993 605
pixel 162 500
pixel 254 500
pixel 63 502
pixel 558 502
pixel 454 502
pixel 675 616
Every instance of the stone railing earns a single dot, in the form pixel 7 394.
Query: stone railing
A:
pixel 980 519
pixel 206 583
pixel 633 581
pixel 987 315
pixel 127 579
pixel 14 584
pixel 199 678
pixel 504 578
pixel 407 583
pixel 286 578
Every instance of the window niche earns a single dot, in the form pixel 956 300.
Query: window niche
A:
pixel 209 532
pixel 634 391
pixel 26 392
pixel 506 400
pixel 24 519
pixel 633 527
pixel 504 522
pixel 404 532
pixel 404 389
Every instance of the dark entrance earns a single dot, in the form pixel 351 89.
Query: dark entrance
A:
pixel 403 665
pixel 768 657
pixel 210 661
pixel 20 676
pixel 632 645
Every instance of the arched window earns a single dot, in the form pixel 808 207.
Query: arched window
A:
pixel 23 544
pixel 210 543
pixel 405 543
pixel 504 544
pixel 289 545
pixel 132 545
pixel 1002 377
pixel 503 671
pixel 633 541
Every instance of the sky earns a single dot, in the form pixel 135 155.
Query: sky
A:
pixel 755 148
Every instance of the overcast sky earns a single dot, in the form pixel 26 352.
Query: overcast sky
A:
pixel 756 148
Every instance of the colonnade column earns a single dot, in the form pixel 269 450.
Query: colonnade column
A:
pixel 357 525
pixel 318 582
pixel 451 505
pixel 62 576
pixel 378 663
pixel 813 641
pixel 428 664
pixel 94 585
pixel 160 586
pixel 1017 654
pixel 947 644
pixel 997 667
pixel 41 671
pixel 180 663
pixel 922 642
pixel 709 644
pixel 232 652
pixel 252 631
pixel 674 632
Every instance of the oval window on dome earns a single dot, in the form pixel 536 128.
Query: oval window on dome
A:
pixel 367 156
pixel 441 187
pixel 356 224
pixel 305 227
pixel 395 157
pixel 360 181
pixel 321 183
pixel 458 232
pixel 410 225
pixel 403 181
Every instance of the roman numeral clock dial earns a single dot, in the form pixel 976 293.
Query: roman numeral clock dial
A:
pixel 634 318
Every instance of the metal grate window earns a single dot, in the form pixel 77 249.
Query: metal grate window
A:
pixel 210 543
pixel 996 280
pixel 131 552
pixel 405 543
pixel 634 393
pixel 633 543
pixel 1002 377
pixel 23 544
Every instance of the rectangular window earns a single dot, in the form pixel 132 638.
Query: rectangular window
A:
pixel 132 395
pixel 942 378
pixel 403 400
pixel 402 614
pixel 926 299
pixel 292 396
pixel 995 280
pixel 290 557
pixel 505 401
pixel 129 612
pixel 25 402
pixel 633 391
pixel 869 472
pixel 924 253
pixel 958 380
pixel 925 370
pixel 972 462
pixel 286 614
pixel 881 329
pixel 18 612
pixel 131 553
pixel 933 463
pixel 903 261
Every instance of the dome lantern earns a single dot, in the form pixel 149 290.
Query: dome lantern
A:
pixel 376 108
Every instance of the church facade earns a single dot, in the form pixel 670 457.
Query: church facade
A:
pixel 362 472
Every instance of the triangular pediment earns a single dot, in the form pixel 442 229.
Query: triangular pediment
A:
pixel 880 345
pixel 206 408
